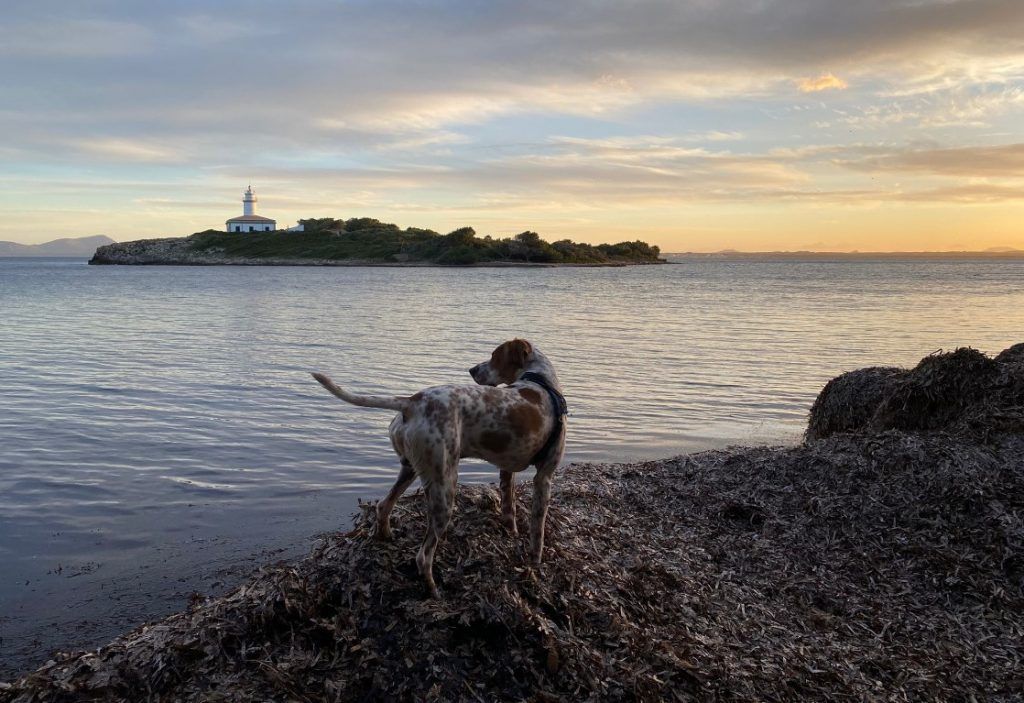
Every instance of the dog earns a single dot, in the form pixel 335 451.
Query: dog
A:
pixel 512 427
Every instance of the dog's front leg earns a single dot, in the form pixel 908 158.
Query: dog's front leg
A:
pixel 508 501
pixel 541 498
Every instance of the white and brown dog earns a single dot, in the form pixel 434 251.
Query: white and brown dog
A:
pixel 511 427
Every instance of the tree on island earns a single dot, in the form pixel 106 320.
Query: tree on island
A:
pixel 367 239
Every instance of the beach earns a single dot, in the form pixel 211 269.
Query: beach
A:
pixel 797 573
pixel 883 556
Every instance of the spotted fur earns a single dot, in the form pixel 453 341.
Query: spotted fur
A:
pixel 505 426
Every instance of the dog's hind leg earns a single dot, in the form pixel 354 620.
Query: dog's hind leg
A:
pixel 508 501
pixel 405 477
pixel 439 496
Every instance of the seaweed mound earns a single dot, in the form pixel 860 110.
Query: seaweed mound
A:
pixel 886 568
pixel 849 402
pixel 959 391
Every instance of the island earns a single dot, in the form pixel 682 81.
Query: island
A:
pixel 880 559
pixel 368 242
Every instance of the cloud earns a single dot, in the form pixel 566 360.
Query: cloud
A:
pixel 1003 160
pixel 566 173
pixel 975 105
pixel 970 193
pixel 69 38
pixel 127 150
pixel 974 108
pixel 386 64
pixel 622 173
pixel 826 81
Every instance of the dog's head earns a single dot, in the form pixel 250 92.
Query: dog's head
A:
pixel 505 364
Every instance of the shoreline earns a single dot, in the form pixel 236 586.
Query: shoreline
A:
pixel 281 249
pixel 112 601
pixel 881 557
pixel 374 264
pixel 144 595
pixel 762 583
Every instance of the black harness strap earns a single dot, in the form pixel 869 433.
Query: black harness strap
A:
pixel 560 408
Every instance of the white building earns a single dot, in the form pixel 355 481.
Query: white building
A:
pixel 249 220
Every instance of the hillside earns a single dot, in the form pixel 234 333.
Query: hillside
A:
pixel 69 246
pixel 367 241
pixel 993 253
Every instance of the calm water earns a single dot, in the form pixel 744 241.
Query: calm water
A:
pixel 160 433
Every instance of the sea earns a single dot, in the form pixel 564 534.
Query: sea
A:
pixel 161 436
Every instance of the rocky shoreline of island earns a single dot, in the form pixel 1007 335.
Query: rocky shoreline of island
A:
pixel 882 557
pixel 117 257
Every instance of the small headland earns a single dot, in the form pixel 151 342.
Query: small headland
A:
pixel 368 242
pixel 881 559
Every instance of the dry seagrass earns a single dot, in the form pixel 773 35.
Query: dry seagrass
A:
pixel 881 560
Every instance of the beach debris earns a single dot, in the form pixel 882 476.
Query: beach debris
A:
pixel 871 564
pixel 959 391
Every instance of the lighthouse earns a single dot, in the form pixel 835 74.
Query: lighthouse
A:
pixel 249 220
pixel 248 201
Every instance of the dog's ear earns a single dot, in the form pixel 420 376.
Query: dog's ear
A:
pixel 509 357
pixel 520 351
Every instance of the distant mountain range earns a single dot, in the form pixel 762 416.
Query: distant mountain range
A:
pixel 74 246
pixel 990 253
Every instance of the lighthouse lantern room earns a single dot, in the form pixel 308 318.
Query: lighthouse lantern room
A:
pixel 249 220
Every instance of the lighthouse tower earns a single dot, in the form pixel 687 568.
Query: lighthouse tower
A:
pixel 249 201
pixel 250 221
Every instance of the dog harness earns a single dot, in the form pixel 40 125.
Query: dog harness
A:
pixel 560 408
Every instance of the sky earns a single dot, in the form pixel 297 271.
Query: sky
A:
pixel 696 125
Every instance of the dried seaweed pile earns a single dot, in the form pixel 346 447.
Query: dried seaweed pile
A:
pixel 861 566
pixel 960 391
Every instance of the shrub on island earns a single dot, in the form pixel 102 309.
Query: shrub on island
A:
pixel 367 239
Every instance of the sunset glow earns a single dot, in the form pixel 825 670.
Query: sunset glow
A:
pixel 787 124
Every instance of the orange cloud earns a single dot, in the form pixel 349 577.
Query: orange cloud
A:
pixel 826 81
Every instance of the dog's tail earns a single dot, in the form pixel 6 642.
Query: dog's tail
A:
pixel 366 401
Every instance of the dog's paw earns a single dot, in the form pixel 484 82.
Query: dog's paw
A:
pixel 510 525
